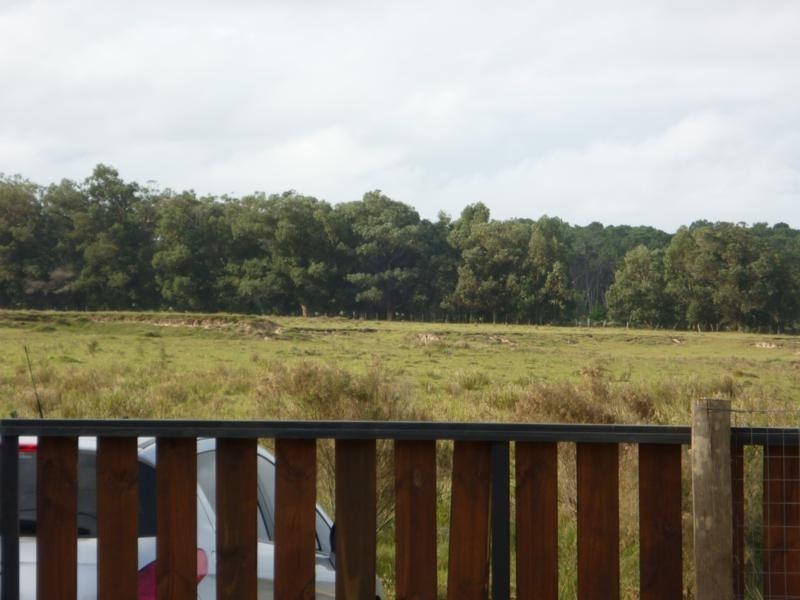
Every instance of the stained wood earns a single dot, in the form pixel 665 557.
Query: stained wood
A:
pixel 176 505
pixel 737 483
pixel 295 518
pixel 781 512
pixel 237 506
pixel 598 521
pixel 660 537
pixel 355 519
pixel 712 499
pixel 117 518
pixel 415 520
pixel 57 523
pixel 468 567
pixel 537 520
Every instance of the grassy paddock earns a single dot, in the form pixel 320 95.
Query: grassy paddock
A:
pixel 166 365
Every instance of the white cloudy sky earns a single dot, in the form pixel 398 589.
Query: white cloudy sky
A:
pixel 639 112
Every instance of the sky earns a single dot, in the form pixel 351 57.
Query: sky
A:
pixel 641 112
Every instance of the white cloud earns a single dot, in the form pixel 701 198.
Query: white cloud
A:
pixel 704 167
pixel 656 112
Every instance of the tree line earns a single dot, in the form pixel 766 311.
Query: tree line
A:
pixel 110 244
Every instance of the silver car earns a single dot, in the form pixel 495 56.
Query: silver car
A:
pixel 206 537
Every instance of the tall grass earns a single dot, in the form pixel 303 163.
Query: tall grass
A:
pixel 129 366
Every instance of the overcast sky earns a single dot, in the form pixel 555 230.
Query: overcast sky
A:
pixel 639 112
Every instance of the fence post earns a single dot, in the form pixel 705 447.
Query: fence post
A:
pixel 712 499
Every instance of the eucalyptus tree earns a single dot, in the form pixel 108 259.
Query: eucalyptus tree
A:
pixel 638 294
pixel 547 293
pixel 438 267
pixel 21 252
pixel 491 267
pixel 114 234
pixel 192 241
pixel 385 237
pixel 301 251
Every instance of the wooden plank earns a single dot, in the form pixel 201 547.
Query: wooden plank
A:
pixel 355 519
pixel 712 499
pixel 468 568
pixel 737 483
pixel 660 527
pixel 415 519
pixel 237 510
pixel 57 518
pixel 781 522
pixel 117 518
pixel 176 516
pixel 295 518
pixel 598 521
pixel 537 520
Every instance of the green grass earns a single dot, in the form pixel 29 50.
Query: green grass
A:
pixel 166 365
pixel 172 365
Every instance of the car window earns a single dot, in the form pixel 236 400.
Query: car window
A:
pixel 266 485
pixel 87 495
pixel 323 535
pixel 206 479
pixel 266 480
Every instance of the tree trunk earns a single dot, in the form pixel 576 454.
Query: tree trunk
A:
pixel 304 309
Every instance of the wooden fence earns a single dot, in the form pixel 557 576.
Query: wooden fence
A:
pixel 480 530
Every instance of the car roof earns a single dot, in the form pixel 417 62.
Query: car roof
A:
pixel 146 445
pixel 84 442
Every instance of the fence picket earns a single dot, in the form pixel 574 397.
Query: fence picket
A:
pixel 117 518
pixel 468 568
pixel 355 519
pixel 236 492
pixel 598 521
pixel 56 515
pixel 415 520
pixel 176 517
pixel 295 518
pixel 537 520
pixel 660 525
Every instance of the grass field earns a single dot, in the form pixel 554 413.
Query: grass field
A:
pixel 166 365
pixel 229 366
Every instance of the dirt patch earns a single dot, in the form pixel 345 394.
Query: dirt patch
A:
pixel 253 327
pixel 427 338
pixel 261 327
pixel 768 345
pixel 330 331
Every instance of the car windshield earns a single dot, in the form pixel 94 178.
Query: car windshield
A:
pixel 87 496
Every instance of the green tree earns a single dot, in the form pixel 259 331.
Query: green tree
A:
pixel 491 267
pixel 547 292
pixel 21 253
pixel 637 295
pixel 386 242
pixel 302 251
pixel 115 238
pixel 192 240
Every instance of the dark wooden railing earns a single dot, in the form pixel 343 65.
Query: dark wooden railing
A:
pixel 480 530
